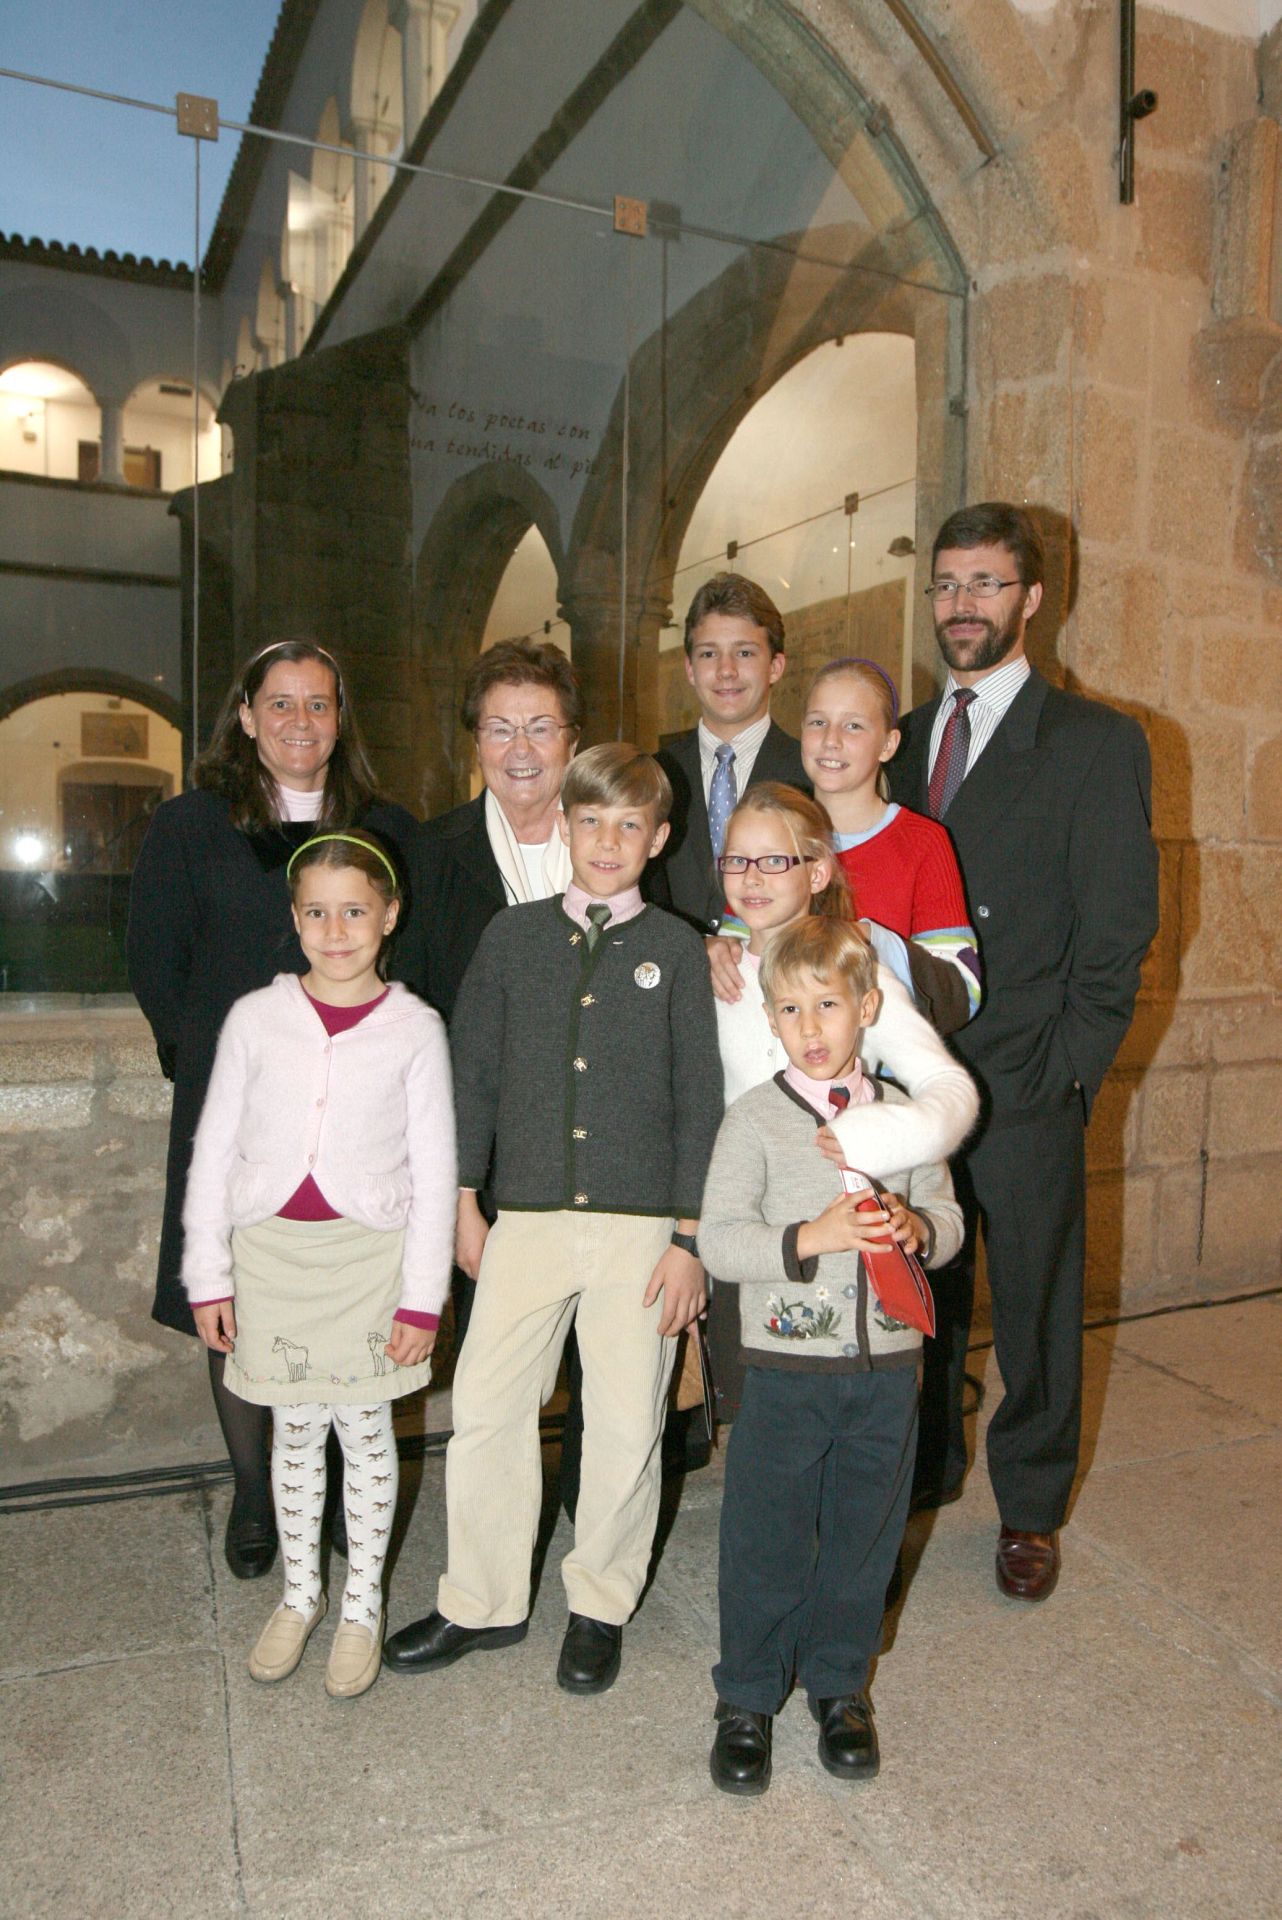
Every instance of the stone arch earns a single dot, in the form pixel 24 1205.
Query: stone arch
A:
pixel 927 119
pixel 90 680
pixel 376 107
pixel 71 331
pixel 472 537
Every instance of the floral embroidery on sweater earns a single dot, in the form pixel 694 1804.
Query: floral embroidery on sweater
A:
pixel 795 1320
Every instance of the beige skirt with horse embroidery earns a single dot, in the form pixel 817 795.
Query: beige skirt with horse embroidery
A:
pixel 314 1306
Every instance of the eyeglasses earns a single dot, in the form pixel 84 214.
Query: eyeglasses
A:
pixel 539 733
pixel 985 586
pixel 764 863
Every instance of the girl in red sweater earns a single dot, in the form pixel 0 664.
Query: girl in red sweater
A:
pixel 901 866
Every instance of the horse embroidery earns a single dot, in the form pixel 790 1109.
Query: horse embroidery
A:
pixel 295 1363
pixel 376 1343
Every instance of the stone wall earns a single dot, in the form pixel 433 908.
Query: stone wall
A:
pixel 87 1380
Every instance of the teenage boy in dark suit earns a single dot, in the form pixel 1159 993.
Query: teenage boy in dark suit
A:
pixel 1047 798
pixel 734 647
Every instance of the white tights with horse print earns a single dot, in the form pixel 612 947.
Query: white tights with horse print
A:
pixel 369 1496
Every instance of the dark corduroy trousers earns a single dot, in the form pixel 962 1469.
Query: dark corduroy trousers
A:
pixel 818 1474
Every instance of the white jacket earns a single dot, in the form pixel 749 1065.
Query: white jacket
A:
pixel 369 1114
pixel 900 1043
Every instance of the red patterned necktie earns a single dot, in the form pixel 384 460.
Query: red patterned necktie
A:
pixel 839 1097
pixel 950 761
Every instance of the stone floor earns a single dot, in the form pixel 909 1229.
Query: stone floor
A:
pixel 1114 1752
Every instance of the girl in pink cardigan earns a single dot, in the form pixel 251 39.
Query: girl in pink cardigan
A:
pixel 319 1231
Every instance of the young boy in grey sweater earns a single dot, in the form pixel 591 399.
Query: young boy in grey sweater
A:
pixel 823 1447
pixel 586 1063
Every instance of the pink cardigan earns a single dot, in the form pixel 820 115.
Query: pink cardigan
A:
pixel 369 1114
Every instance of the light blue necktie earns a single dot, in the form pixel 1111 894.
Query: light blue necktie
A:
pixel 723 795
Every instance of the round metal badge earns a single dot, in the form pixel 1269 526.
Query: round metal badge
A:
pixel 647 974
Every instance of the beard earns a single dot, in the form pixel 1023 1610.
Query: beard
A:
pixel 967 654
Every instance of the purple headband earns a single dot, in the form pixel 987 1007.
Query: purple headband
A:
pixel 851 660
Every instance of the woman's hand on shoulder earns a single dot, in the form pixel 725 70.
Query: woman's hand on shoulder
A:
pixel 725 963
pixel 409 1345
pixel 216 1324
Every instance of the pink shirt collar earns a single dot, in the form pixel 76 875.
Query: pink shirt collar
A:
pixel 623 906
pixel 816 1093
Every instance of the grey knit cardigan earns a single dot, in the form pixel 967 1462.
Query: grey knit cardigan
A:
pixel 767 1177
pixel 593 1078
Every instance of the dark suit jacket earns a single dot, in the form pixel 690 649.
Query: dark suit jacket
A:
pixel 683 879
pixel 1052 832
pixel 457 889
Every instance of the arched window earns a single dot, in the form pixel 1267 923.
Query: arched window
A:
pixel 50 423
pixel 158 436
pixel 814 497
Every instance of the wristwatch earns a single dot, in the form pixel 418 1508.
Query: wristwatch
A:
pixel 687 1243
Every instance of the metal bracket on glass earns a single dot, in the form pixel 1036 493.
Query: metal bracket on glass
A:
pixel 197 116
pixel 1133 106
pixel 630 216
pixel 851 504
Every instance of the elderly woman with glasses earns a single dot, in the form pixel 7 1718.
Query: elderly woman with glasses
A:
pixel 523 708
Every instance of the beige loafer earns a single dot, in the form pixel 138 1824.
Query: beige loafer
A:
pixel 354 1659
pixel 281 1642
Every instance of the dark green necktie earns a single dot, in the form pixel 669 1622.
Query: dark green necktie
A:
pixel 598 914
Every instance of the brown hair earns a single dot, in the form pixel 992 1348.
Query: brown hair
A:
pixel 522 663
pixel 617 774
pixel 365 851
pixel 995 523
pixel 822 947
pixel 734 594
pixel 810 830
pixel 230 765
pixel 879 682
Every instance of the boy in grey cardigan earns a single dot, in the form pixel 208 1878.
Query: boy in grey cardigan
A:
pixel 586 1063
pixel 825 1438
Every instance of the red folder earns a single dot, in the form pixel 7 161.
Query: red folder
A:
pixel 897 1278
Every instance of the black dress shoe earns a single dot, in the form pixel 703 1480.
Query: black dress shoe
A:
pixel 847 1737
pixel 590 1655
pixel 436 1642
pixel 740 1757
pixel 250 1542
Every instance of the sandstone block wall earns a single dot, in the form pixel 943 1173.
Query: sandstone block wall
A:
pixel 88 1382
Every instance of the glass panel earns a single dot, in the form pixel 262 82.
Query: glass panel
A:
pixel 97 405
pixel 450 413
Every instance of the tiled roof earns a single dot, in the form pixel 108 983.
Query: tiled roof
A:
pixel 108 263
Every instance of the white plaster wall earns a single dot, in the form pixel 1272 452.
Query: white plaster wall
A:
pixel 1245 19
pixel 114 333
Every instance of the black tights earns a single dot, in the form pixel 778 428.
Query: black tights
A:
pixel 247 1429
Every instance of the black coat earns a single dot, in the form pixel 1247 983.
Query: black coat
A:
pixel 209 921
pixel 1052 830
pixel 457 889
pixel 683 878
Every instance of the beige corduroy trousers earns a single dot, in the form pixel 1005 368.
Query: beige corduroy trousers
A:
pixel 538 1271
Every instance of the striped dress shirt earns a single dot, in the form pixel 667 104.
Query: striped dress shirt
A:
pixel 993 695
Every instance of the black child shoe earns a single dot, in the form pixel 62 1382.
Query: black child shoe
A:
pixel 590 1655
pixel 847 1737
pixel 434 1642
pixel 740 1757
pixel 250 1542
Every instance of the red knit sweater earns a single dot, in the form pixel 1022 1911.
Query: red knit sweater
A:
pixel 906 878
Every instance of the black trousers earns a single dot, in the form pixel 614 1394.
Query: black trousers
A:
pixel 818 1476
pixel 1025 1186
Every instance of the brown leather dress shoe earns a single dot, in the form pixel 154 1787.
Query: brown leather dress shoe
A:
pixel 1027 1563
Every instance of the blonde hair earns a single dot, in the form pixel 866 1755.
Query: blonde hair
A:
pixel 879 684
pixel 822 947
pixel 617 774
pixel 811 832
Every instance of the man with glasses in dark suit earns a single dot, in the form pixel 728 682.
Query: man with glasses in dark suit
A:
pixel 1047 798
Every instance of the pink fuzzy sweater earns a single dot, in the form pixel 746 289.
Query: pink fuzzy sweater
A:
pixel 369 1114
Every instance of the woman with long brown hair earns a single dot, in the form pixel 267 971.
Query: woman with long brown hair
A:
pixel 209 920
